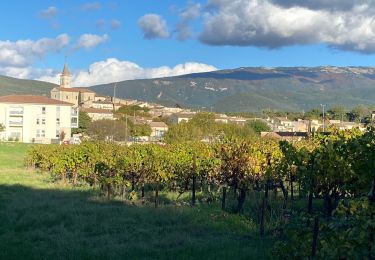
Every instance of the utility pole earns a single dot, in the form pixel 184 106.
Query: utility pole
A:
pixel 126 129
pixel 324 128
pixel 114 109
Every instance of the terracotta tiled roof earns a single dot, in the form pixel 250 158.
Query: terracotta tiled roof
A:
pixel 30 99
pixel 83 90
pixel 96 110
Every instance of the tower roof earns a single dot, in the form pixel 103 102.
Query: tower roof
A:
pixel 66 70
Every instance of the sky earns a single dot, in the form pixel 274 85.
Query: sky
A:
pixel 108 41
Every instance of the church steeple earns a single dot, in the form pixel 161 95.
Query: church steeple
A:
pixel 65 77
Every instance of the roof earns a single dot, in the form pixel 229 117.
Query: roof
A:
pixel 185 115
pixel 96 110
pixel 30 99
pixel 102 102
pixel 66 70
pixel 158 124
pixel 83 90
pixel 280 135
pixel 281 118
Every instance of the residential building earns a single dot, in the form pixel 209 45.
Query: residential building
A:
pixel 158 129
pixel 182 117
pixel 36 119
pixel 98 113
pixel 102 105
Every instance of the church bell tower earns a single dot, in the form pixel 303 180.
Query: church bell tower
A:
pixel 65 77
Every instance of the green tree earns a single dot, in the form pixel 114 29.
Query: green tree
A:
pixel 83 123
pixel 358 113
pixel 314 113
pixel 258 126
pixel 337 112
pixel 134 110
pixel 108 130
pixel 140 130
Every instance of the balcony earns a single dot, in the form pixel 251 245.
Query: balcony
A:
pixel 16 112
pixel 15 123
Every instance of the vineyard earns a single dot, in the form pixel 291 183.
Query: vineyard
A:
pixel 315 197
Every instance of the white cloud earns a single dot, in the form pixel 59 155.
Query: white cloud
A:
pixel 95 6
pixel 112 70
pixel 188 14
pixel 48 13
pixel 279 23
pixel 23 53
pixel 90 40
pixel 153 26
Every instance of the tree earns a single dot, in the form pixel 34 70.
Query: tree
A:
pixel 337 113
pixel 314 113
pixel 83 123
pixel 358 113
pixel 258 126
pixel 108 130
pixel 140 130
pixel 134 110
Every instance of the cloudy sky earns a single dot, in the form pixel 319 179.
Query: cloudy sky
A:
pixel 107 41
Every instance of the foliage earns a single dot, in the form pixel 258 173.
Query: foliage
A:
pixel 334 170
pixel 258 126
pixel 108 130
pixel 134 110
pixel 84 123
pixel 204 127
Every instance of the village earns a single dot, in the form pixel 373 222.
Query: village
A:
pixel 39 119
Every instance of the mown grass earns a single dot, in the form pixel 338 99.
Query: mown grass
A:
pixel 42 219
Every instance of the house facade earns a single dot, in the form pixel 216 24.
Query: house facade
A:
pixel 158 129
pixel 36 119
pixel 98 113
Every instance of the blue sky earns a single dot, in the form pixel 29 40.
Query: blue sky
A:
pixel 142 37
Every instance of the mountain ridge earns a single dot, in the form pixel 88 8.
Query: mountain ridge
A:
pixel 248 89
pixel 245 89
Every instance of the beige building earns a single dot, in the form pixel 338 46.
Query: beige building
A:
pixel 98 114
pixel 158 129
pixel 182 117
pixel 77 96
pixel 36 119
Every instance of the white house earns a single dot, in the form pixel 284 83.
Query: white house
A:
pixel 158 129
pixel 98 113
pixel 182 117
pixel 36 119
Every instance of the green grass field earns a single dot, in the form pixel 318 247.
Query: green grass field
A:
pixel 40 219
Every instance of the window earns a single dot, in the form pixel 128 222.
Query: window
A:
pixel 66 97
pixel 76 97
pixel 74 120
pixel 43 121
pixel 57 133
pixel 38 121
pixel 55 96
pixel 40 133
pixel 43 110
pixel 57 121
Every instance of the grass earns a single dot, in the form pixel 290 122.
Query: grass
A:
pixel 42 219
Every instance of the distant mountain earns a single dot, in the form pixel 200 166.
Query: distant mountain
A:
pixel 242 89
pixel 9 86
pixel 253 89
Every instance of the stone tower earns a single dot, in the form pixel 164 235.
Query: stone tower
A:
pixel 65 77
